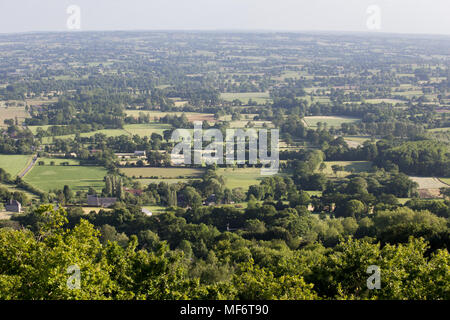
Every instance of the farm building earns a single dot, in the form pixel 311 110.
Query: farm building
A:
pixel 13 206
pixel 95 201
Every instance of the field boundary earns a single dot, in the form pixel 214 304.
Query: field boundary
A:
pixel 443 181
pixel 29 166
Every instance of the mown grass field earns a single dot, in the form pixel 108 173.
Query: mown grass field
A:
pixel 14 164
pixel 77 177
pixel 428 182
pixel 173 173
pixel 331 121
pixel 240 177
pixel 445 180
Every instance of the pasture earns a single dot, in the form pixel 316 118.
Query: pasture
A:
pixel 240 177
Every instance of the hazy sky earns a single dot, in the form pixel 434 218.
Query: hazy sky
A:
pixel 399 16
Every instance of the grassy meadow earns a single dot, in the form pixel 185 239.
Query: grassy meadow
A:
pixel 78 178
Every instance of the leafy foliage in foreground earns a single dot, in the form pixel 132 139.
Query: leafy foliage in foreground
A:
pixel 33 265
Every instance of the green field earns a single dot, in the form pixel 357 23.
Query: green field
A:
pixel 356 166
pixel 259 97
pixel 34 129
pixel 162 172
pixel 156 115
pixel 155 209
pixel 445 180
pixel 355 141
pixel 146 129
pixel 439 129
pixel 146 182
pixel 76 177
pixel 331 121
pixel 256 124
pixel 13 188
pixel 107 132
pixel 241 177
pixel 14 164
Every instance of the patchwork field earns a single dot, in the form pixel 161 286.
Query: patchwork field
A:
pixel 12 113
pixel 77 177
pixel 173 173
pixel 14 164
pixel 331 121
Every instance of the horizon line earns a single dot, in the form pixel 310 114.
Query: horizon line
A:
pixel 366 32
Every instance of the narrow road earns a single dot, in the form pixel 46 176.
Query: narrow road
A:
pixel 31 165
